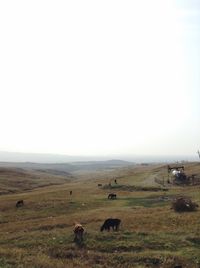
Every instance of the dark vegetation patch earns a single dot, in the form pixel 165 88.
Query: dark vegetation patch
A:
pixel 144 260
pixel 86 257
pixel 194 240
pixel 63 253
pixel 51 227
pixel 148 260
pixel 55 172
pixel 121 248
pixel 2 221
pixel 132 188
pixel 111 260
pixel 12 172
pixel 133 242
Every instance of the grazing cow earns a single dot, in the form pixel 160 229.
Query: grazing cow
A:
pixel 112 196
pixel 78 232
pixel 20 203
pixel 114 223
pixel 99 184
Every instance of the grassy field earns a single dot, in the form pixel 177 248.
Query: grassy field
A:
pixel 40 234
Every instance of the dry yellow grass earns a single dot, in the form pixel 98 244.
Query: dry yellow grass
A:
pixel 40 234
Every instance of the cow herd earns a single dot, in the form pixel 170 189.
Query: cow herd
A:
pixel 107 225
pixel 79 229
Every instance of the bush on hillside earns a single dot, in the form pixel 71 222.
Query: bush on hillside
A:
pixel 182 204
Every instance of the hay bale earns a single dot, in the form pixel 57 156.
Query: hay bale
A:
pixel 182 204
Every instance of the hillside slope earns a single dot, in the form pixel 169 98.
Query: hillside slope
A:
pixel 14 180
pixel 40 234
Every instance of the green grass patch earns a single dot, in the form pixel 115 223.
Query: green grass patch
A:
pixel 145 202
pixel 4 263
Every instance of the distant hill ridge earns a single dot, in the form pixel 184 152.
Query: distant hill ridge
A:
pixel 68 167
pixel 62 158
pixel 51 158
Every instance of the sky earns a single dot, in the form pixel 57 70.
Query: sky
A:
pixel 100 77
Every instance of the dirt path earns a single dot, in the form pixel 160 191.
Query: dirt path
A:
pixel 150 181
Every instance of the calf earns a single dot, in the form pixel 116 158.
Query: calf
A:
pixel 112 196
pixel 114 223
pixel 20 203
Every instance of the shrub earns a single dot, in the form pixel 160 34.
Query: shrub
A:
pixel 182 204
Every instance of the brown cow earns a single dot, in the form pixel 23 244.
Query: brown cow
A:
pixel 78 232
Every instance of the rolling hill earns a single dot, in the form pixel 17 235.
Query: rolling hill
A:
pixel 40 234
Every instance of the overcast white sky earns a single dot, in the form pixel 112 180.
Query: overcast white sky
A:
pixel 100 77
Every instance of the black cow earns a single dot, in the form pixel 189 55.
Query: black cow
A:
pixel 112 196
pixel 20 203
pixel 114 223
